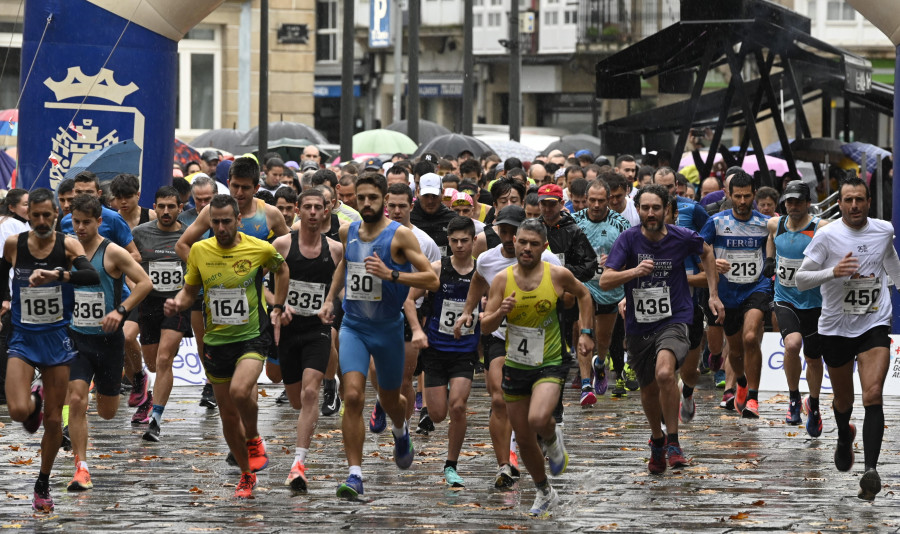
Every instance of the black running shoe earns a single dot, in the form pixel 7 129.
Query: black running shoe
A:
pixel 426 425
pixel 208 397
pixel 331 401
pixel 283 398
pixel 66 444
pixel 152 433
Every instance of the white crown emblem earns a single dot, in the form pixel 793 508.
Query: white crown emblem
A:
pixel 77 84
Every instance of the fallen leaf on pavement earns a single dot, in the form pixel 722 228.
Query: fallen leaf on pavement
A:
pixel 739 515
pixel 759 503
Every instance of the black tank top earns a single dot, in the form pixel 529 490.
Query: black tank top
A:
pixel 145 216
pixel 335 231
pixel 318 270
pixel 56 258
pixel 491 238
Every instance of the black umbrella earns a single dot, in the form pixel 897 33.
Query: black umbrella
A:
pixel 453 144
pixel 817 150
pixel 284 129
pixel 427 130
pixel 569 144
pixel 225 139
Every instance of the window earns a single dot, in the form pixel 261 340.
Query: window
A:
pixel 571 17
pixel 840 10
pixel 811 8
pixel 478 20
pixel 494 19
pixel 551 18
pixel 199 104
pixel 326 31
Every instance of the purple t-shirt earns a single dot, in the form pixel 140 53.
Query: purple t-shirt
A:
pixel 715 196
pixel 668 255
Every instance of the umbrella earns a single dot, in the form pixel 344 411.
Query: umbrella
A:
pixel 507 148
pixel 775 148
pixel 583 142
pixel 7 166
pixel 383 142
pixel 284 129
pixel 817 150
pixel 185 153
pixel 855 151
pixel 453 144
pixel 751 165
pixel 291 149
pixel 223 138
pixel 427 130
pixel 688 158
pixel 9 122
pixel 109 162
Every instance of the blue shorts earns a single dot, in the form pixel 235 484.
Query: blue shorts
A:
pixel 382 340
pixel 45 349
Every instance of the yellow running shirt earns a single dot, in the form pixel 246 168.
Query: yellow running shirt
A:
pixel 533 334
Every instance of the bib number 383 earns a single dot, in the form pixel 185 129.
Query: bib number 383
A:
pixel 229 306
pixel 861 295
pixel 41 305
pixel 360 284
pixel 525 345
pixel 166 275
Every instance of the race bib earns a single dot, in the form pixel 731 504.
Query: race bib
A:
pixel 787 271
pixel 450 312
pixel 861 295
pixel 41 305
pixel 746 265
pixel 166 275
pixel 305 298
pixel 598 272
pixel 443 250
pixel 89 308
pixel 562 258
pixel 229 306
pixel 525 345
pixel 360 284
pixel 651 304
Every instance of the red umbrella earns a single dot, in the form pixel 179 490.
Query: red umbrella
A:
pixel 185 153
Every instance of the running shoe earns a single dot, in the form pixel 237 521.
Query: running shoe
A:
pixel 504 478
pixel 452 478
pixel 331 401
pixel 587 396
pixel 426 425
pixel 843 453
pixel 351 488
pixel 576 382
pixel 142 415
pixel 869 485
pixel 719 378
pixel 619 391
pixel 81 481
pixel 404 452
pixel 557 455
pixel 245 485
pixel 727 400
pixel 687 409
pixel 631 381
pixel 600 381
pixel 208 397
pixel 139 390
pixel 740 398
pixel 514 460
pixel 42 501
pixel 418 401
pixel 704 362
pixel 297 478
pixel 230 460
pixel 283 398
pixel 378 421
pixel 544 503
pixel 716 362
pixel 126 384
pixel 66 443
pixel 813 419
pixel 256 449
pixel 751 410
pixel 559 412
pixel 153 431
pixel 33 422
pixel 657 463
pixel 793 413
pixel 676 456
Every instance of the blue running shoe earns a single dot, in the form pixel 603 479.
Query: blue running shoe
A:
pixel 404 452
pixel 418 401
pixel 557 455
pixel 793 414
pixel 378 421
pixel 719 378
pixel 813 419
pixel 351 488
pixel 600 380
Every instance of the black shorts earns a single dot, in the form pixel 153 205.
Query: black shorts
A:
pixel 804 322
pixel 643 350
pixel 605 309
pixel 272 353
pixel 99 358
pixel 734 317
pixel 152 320
pixel 407 330
pixel 308 347
pixel 441 366
pixel 493 347
pixel 338 314
pixel 695 330
pixel 518 383
pixel 220 361
pixel 702 296
pixel 838 351
pixel 198 304
pixel 134 315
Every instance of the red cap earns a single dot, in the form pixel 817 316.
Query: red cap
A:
pixel 550 192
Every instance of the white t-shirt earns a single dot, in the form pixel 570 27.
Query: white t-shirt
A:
pixel 872 246
pixel 631 212
pixel 492 261
pixel 11 226
pixel 429 248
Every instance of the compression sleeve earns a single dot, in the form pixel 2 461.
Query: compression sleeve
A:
pixel 5 266
pixel 86 275
pixel 812 275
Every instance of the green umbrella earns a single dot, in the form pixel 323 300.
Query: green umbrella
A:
pixel 382 142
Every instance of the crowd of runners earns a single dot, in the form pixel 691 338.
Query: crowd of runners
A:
pixel 418 274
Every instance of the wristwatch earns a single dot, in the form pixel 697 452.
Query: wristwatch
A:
pixel 588 331
pixel 59 273
pixel 121 309
pixel 279 307
pixel 395 275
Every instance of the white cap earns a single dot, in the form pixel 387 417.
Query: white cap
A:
pixel 430 184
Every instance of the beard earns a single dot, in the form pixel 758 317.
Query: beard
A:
pixel 652 226
pixel 43 232
pixel 370 218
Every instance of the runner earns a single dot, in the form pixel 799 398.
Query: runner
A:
pixel 379 255
pixel 528 295
pixel 850 259
pixel 650 261
pixel 797 311
pixel 41 307
pixel 96 330
pixel 738 236
pixel 305 344
pixel 490 264
pixel 126 190
pixel 448 362
pixel 161 335
pixel 229 269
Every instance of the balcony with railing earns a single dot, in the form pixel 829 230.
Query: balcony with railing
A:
pixel 610 25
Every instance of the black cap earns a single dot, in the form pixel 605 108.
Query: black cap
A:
pixel 210 155
pixel 796 189
pixel 602 160
pixel 512 215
